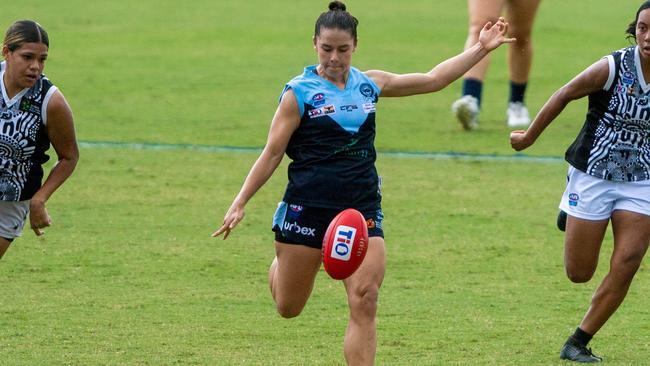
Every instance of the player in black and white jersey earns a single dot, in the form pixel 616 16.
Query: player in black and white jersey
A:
pixel 33 114
pixel 608 178
pixel 325 124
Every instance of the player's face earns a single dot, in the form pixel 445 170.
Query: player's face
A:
pixel 643 34
pixel 25 64
pixel 334 48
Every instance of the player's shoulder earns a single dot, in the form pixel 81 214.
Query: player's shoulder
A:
pixel 623 52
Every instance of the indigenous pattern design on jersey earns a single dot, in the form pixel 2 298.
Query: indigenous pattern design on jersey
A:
pixel 332 151
pixel 23 139
pixel 614 143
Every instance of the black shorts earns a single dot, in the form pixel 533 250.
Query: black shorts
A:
pixel 303 225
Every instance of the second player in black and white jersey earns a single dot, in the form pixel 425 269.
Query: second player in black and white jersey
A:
pixel 608 178
pixel 614 143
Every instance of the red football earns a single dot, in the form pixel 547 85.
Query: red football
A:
pixel 345 244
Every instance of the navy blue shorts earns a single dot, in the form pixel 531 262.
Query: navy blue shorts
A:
pixel 303 225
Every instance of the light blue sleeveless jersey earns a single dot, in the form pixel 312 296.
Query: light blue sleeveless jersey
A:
pixel 332 151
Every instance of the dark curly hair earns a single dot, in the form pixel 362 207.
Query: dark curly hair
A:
pixel 337 18
pixel 631 28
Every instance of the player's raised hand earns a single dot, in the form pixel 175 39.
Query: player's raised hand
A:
pixel 494 35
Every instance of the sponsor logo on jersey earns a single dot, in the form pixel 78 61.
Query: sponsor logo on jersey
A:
pixel 627 77
pixel 318 99
pixel 371 224
pixel 329 109
pixel 342 248
pixel 26 105
pixel 369 107
pixel 313 113
pixel 573 199
pixel 349 107
pixel 302 230
pixel 318 112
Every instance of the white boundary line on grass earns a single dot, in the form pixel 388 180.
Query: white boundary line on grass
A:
pixel 448 155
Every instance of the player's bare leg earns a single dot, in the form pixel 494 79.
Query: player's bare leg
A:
pixel 291 277
pixel 4 245
pixel 360 343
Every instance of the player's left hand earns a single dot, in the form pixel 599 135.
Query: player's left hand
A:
pixel 38 216
pixel 494 35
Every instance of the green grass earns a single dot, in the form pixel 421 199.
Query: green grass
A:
pixel 128 274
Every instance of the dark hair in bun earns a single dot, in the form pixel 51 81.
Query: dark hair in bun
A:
pixel 337 18
pixel 337 5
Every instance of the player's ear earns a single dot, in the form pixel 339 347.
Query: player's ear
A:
pixel 314 40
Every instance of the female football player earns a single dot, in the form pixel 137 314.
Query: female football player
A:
pixel 33 114
pixel 608 178
pixel 325 123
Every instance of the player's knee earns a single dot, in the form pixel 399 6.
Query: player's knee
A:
pixel 579 275
pixel 476 25
pixel 523 45
pixel 364 300
pixel 288 311
pixel 628 264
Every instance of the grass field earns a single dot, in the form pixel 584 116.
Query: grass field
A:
pixel 128 274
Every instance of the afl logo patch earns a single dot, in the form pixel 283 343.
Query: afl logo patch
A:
pixel 366 90
pixel 628 78
pixel 318 99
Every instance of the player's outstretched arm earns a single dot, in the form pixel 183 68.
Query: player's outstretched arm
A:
pixel 394 85
pixel 587 82
pixel 285 121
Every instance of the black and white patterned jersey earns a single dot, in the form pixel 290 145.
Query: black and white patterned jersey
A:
pixel 23 139
pixel 614 143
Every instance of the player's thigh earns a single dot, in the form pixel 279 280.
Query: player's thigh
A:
pixel 370 275
pixel 296 270
pixel 4 245
pixel 631 237
pixel 483 11
pixel 520 16
pixel 582 243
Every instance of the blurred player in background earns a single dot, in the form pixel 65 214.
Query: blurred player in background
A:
pixel 608 178
pixel 33 114
pixel 520 15
pixel 326 124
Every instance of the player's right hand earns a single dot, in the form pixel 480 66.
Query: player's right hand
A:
pixel 519 140
pixel 234 215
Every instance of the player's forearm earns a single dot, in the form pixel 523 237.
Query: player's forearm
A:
pixel 59 173
pixel 451 69
pixel 259 174
pixel 553 107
